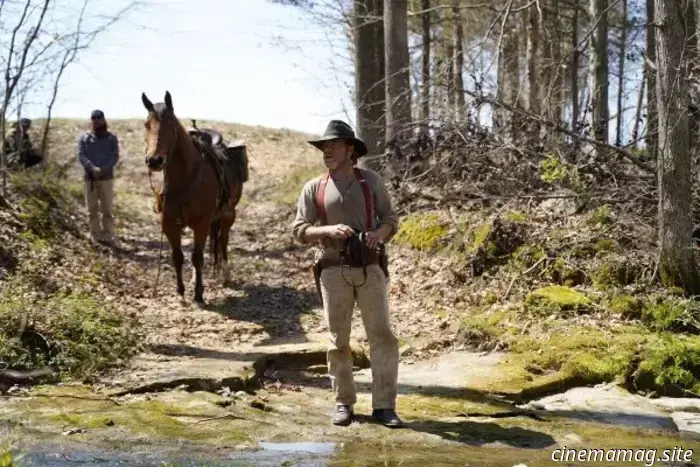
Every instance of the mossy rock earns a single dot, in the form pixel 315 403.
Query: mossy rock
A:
pixel 614 273
pixel 672 314
pixel 669 365
pixel 493 243
pixel 421 231
pixel 627 306
pixel 557 298
pixel 564 274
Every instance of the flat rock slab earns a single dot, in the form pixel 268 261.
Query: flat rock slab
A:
pixel 202 369
pixel 607 404
pixel 688 424
pixel 447 372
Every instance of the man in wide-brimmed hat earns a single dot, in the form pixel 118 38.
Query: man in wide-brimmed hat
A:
pixel 356 218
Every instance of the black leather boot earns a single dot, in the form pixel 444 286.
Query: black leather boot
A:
pixel 387 417
pixel 343 415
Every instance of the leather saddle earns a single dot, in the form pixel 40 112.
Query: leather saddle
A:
pixel 209 136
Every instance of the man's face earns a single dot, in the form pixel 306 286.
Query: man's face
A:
pixel 25 127
pixel 337 154
pixel 98 123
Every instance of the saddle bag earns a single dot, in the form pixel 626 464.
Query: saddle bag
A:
pixel 238 153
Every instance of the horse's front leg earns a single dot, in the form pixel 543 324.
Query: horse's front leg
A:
pixel 200 237
pixel 172 232
pixel 226 224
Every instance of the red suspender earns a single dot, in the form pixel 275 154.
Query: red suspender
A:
pixel 321 196
pixel 368 198
pixel 321 199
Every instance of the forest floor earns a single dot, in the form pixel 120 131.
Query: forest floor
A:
pixel 522 329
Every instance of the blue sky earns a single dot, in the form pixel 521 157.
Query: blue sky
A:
pixel 220 59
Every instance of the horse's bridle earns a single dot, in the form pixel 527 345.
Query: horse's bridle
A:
pixel 164 157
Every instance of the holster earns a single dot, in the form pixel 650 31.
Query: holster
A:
pixel 354 254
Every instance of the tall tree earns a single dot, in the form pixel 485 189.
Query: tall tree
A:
pixel 458 50
pixel 370 90
pixel 621 75
pixel 532 22
pixel 598 70
pixel 398 90
pixel 677 262
pixel 425 63
pixel 508 77
pixel 652 126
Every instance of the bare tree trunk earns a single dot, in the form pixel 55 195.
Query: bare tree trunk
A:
pixel 370 91
pixel 458 50
pixel 450 72
pixel 508 78
pixel 652 126
pixel 533 67
pixel 558 80
pixel 425 79
pixel 598 71
pixel 398 90
pixel 677 262
pixel 575 60
pixel 638 114
pixel 621 77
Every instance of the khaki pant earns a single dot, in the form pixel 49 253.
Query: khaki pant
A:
pixel 99 196
pixel 339 299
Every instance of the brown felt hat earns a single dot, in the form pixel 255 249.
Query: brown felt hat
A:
pixel 338 129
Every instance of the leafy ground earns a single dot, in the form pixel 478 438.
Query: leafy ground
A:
pixel 569 291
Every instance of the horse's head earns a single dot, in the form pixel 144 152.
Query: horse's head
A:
pixel 161 131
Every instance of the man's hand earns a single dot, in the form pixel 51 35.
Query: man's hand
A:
pixel 96 171
pixel 373 239
pixel 339 231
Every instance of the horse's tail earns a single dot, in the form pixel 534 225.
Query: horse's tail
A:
pixel 214 234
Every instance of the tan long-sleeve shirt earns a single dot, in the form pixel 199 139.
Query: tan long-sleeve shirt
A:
pixel 344 204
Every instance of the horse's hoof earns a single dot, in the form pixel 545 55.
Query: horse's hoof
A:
pixel 200 304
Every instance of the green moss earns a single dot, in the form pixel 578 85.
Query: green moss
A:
pixel 605 245
pixel 555 299
pixel 516 216
pixel 613 273
pixel 671 364
pixel 84 336
pixel 481 234
pixel 563 273
pixel 421 231
pixel 678 314
pixel 602 216
pixel 525 256
pixel 626 306
pixel 481 327
pixel 47 203
pixel 557 172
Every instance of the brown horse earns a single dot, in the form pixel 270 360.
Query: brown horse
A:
pixel 200 190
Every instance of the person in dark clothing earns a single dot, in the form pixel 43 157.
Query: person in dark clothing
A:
pixel 98 153
pixel 18 146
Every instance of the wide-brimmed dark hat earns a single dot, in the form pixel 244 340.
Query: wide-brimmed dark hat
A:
pixel 338 129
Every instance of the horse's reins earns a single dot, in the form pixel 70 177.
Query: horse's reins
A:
pixel 160 248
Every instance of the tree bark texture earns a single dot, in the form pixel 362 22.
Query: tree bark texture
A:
pixel 370 91
pixel 599 113
pixel 677 261
pixel 398 91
